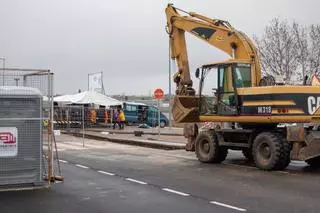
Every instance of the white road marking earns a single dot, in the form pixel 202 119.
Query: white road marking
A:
pixel 136 181
pixel 283 172
pixel 63 161
pixel 106 173
pixel 175 192
pixel 82 166
pixel 228 206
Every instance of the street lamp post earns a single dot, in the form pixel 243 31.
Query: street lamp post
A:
pixel 170 107
pixel 3 69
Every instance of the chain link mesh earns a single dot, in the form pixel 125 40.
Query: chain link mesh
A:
pixel 26 97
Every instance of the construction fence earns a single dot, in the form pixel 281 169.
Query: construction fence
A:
pixel 77 117
pixel 26 140
pixel 82 117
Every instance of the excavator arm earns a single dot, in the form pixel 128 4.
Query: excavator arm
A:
pixel 217 33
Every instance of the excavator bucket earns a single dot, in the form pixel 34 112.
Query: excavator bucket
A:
pixel 311 152
pixel 185 109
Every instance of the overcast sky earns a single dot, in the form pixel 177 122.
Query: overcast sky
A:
pixel 125 39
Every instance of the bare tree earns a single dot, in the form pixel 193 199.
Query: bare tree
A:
pixel 279 50
pixel 314 57
pixel 301 36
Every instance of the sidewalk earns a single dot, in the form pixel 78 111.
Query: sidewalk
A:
pixel 150 138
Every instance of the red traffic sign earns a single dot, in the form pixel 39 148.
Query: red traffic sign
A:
pixel 158 93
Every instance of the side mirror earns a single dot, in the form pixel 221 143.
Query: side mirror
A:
pixel 197 73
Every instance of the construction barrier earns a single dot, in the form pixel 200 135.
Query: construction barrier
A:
pixel 26 145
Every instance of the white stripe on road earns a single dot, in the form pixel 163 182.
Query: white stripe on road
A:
pixel 136 181
pixel 283 172
pixel 164 189
pixel 106 173
pixel 63 161
pixel 175 192
pixel 82 166
pixel 228 206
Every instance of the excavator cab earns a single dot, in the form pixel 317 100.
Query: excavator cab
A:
pixel 218 87
pixel 217 94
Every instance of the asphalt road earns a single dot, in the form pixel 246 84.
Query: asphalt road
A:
pixel 89 191
pixel 108 177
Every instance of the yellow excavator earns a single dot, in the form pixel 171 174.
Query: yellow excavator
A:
pixel 272 123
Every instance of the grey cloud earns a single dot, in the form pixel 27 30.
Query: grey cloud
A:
pixel 126 39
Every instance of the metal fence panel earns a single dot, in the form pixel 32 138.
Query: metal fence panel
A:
pixel 77 117
pixel 70 118
pixel 25 114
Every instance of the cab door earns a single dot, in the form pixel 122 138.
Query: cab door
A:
pixel 227 103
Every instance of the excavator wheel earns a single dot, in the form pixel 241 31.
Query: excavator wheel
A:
pixel 285 159
pixel 270 151
pixel 208 150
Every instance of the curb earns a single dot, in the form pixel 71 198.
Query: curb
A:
pixel 145 133
pixel 149 144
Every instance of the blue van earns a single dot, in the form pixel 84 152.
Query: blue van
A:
pixel 139 113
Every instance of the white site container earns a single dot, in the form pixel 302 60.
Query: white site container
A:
pixel 21 159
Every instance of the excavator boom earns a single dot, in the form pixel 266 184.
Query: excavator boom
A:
pixel 217 33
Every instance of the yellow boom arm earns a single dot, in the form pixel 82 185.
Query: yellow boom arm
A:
pixel 217 33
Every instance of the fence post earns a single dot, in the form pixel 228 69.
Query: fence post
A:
pixel 83 126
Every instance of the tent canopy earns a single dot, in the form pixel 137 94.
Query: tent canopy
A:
pixel 87 97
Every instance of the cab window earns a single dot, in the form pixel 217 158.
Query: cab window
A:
pixel 242 76
pixel 209 86
pixel 225 79
pixel 225 84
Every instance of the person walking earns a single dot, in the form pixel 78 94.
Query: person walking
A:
pixel 122 119
pixel 106 118
pixel 116 118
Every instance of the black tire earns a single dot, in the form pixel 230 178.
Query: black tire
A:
pixel 247 152
pixel 314 163
pixel 162 124
pixel 270 152
pixel 285 158
pixel 208 150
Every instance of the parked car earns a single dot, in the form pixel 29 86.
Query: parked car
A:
pixel 139 113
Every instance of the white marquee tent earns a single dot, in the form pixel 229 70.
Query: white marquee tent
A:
pixel 87 97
